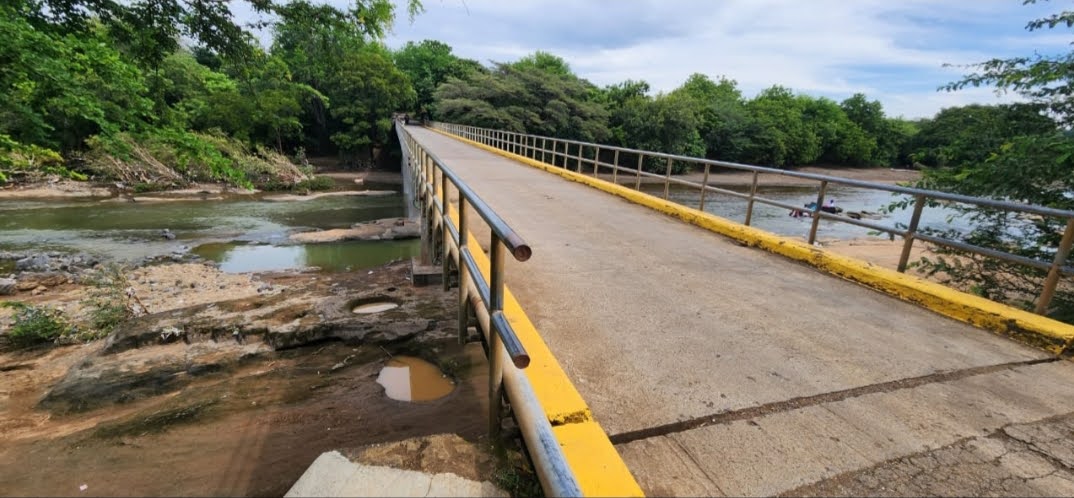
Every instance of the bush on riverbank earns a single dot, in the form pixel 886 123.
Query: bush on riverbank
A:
pixel 35 324
pixel 177 157
pixel 30 161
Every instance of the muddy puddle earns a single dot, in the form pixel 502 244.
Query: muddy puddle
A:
pixel 406 378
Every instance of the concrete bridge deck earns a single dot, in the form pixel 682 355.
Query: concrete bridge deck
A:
pixel 721 369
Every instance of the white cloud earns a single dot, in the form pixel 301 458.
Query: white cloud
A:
pixel 892 51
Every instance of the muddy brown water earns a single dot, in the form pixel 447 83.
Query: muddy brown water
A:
pixel 406 378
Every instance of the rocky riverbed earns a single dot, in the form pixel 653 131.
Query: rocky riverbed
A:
pixel 233 383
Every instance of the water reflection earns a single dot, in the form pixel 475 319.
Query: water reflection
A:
pixel 238 257
pixel 406 378
pixel 131 230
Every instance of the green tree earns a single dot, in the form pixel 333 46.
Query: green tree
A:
pixel 533 96
pixel 723 120
pixel 841 140
pixel 64 88
pixel 964 137
pixel 429 64
pixel 781 137
pixel 367 89
pixel 1007 152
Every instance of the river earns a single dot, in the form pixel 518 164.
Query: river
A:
pixel 242 233
pixel 250 233
pixel 778 220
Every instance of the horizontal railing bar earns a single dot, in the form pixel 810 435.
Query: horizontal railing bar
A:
pixel 932 194
pixel 472 269
pixel 724 191
pixel 451 228
pixel 556 476
pixel 984 251
pixel 514 242
pixel 861 223
pixel 514 348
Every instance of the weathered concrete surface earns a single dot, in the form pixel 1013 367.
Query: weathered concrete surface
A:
pixel 661 324
pixel 1018 460
pixel 332 474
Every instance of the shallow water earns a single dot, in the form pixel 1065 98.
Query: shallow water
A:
pixel 371 308
pixel 778 220
pixel 130 230
pixel 406 378
pixel 238 257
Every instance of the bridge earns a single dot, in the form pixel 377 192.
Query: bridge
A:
pixel 669 352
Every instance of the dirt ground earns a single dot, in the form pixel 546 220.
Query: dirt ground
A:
pixel 250 429
pixel 881 252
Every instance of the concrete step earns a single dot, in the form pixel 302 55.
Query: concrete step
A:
pixel 332 474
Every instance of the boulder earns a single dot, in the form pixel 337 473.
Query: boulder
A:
pixel 8 286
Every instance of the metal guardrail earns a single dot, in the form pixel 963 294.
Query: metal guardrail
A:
pixel 486 299
pixel 558 152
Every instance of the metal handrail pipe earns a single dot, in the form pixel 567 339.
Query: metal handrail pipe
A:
pixel 932 194
pixel 984 251
pixel 471 267
pixel 451 229
pixel 779 204
pixel 723 191
pixel 514 242
pixel 511 344
pixel 864 224
pixel 557 478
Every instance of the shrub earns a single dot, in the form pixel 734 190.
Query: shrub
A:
pixel 35 324
pixel 107 301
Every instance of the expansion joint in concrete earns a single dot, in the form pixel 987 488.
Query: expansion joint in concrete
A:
pixel 819 399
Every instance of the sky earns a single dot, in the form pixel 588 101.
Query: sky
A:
pixel 894 51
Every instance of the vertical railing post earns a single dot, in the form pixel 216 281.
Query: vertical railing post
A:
pixel 908 239
pixel 580 148
pixel 817 211
pixel 667 181
pixel 464 316
pixel 637 179
pixel 596 162
pixel 704 187
pixel 444 209
pixel 1053 273
pixel 496 355
pixel 753 195
pixel 615 167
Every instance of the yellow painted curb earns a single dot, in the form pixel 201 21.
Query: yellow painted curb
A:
pixel 597 466
pixel 1042 332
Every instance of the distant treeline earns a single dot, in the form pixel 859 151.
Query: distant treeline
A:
pixel 167 90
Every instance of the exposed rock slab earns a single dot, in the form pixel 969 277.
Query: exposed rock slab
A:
pixel 384 229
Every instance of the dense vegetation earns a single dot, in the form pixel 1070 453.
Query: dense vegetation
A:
pixel 1016 153
pixel 105 89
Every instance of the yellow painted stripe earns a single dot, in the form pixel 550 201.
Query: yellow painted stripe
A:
pixel 1035 330
pixel 596 464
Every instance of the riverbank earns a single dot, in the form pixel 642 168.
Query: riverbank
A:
pixel 233 383
pixel 71 189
